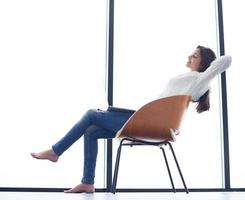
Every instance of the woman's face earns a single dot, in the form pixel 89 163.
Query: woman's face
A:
pixel 194 60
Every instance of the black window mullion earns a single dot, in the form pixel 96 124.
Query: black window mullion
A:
pixel 110 87
pixel 224 100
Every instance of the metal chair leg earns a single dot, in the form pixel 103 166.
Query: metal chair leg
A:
pixel 169 172
pixel 140 142
pixel 177 164
pixel 114 183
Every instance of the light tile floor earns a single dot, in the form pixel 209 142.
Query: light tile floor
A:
pixel 122 196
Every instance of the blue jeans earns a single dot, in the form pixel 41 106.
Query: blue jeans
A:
pixel 95 124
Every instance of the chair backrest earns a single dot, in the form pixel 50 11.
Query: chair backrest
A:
pixel 155 120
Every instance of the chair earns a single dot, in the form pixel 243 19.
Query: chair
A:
pixel 156 123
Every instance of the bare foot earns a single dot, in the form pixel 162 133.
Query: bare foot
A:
pixel 46 155
pixel 87 188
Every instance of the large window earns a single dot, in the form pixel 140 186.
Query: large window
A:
pixel 52 70
pixel 234 38
pixel 152 41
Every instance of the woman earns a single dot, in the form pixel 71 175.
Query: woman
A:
pixel 97 124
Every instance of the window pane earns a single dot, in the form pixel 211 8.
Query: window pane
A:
pixel 52 70
pixel 152 42
pixel 234 37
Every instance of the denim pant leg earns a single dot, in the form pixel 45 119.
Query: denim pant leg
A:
pixel 111 121
pixel 91 136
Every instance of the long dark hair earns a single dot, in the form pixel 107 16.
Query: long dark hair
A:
pixel 207 56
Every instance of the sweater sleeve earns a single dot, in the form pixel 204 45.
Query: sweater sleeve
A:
pixel 218 66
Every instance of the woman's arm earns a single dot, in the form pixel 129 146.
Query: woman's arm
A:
pixel 201 85
pixel 218 66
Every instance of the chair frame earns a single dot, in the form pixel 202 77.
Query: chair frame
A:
pixel 130 141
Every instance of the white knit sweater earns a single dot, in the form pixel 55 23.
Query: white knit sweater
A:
pixel 195 83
